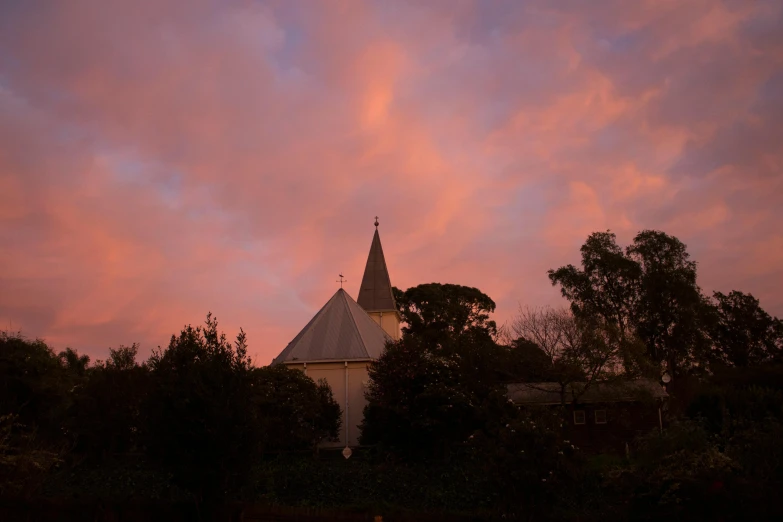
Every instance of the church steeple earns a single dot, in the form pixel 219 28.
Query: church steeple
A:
pixel 375 294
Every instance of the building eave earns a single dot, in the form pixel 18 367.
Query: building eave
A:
pixel 324 361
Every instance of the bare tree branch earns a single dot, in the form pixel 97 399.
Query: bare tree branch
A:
pixel 580 355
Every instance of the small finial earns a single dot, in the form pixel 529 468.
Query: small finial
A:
pixel 376 221
pixel 341 281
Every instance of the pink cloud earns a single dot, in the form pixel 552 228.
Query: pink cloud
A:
pixel 159 162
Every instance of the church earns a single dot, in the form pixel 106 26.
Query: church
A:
pixel 344 336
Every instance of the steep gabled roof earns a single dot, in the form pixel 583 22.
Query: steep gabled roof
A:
pixel 375 294
pixel 340 331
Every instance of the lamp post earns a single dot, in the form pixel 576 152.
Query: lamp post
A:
pixel 665 379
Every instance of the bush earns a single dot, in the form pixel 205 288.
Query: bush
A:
pixel 670 473
pixel 526 462
pixel 295 412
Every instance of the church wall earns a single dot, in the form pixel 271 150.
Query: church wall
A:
pixel 334 373
pixel 390 323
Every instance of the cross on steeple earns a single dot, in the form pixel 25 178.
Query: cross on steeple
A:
pixel 376 221
pixel 341 281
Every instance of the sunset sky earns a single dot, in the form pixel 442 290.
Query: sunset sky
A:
pixel 162 159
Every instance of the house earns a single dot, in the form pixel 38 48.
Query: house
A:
pixel 344 336
pixel 601 416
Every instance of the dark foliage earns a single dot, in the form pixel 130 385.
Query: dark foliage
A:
pixel 436 311
pixel 36 386
pixel 524 460
pixel 105 417
pixel 650 291
pixel 199 420
pixel 424 398
pixel 295 412
pixel 743 333
pixel 525 361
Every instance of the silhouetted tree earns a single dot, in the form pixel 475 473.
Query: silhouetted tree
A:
pixel 649 291
pixel 200 418
pixel 578 354
pixel 35 386
pixel 105 416
pixel 74 363
pixel 441 381
pixel 526 362
pixel 436 311
pixel 743 333
pixel 209 414
pixel 296 413
pixel 419 401
pixel 671 308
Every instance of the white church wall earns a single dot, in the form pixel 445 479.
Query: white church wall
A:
pixel 335 374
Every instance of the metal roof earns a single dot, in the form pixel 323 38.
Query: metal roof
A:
pixel 549 392
pixel 340 331
pixel 375 294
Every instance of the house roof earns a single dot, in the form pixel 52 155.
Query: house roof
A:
pixel 375 294
pixel 340 331
pixel 549 392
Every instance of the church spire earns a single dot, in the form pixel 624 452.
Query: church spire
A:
pixel 375 294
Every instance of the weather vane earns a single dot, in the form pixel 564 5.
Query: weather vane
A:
pixel 341 281
pixel 376 221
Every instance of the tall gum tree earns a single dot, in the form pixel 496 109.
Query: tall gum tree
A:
pixel 649 290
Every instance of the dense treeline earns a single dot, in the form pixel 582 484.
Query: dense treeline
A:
pixel 199 413
pixel 199 421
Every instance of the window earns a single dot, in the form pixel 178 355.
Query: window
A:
pixel 600 416
pixel 579 417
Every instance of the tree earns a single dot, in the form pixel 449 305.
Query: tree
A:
pixel 649 291
pixel 743 333
pixel 556 335
pixel 74 363
pixel 443 379
pixel 209 414
pixel 525 361
pixel 670 310
pixel 200 419
pixel 607 286
pixel 438 311
pixel 106 413
pixel 296 413
pixel 35 385
pixel 577 354
pixel 423 400
pixel 34 398
pixel 123 358
pixel 415 400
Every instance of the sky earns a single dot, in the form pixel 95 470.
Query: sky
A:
pixel 162 159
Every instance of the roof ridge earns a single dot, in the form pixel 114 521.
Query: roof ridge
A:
pixel 328 336
pixel 310 324
pixel 354 327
